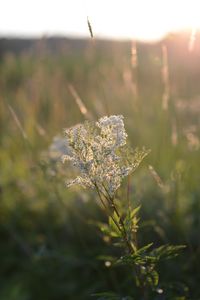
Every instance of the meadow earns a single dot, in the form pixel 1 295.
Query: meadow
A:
pixel 49 243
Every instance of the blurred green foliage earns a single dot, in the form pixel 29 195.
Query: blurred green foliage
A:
pixel 48 244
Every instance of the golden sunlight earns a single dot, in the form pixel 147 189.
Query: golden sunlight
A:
pixel 142 19
pixel 146 20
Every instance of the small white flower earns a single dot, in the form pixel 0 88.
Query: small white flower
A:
pixel 85 182
pixel 96 151
pixel 112 128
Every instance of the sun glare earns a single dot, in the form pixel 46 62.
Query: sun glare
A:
pixel 143 19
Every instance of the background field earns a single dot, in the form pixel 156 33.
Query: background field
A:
pixel 48 243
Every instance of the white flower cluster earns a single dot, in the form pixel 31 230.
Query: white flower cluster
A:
pixel 95 149
pixel 58 148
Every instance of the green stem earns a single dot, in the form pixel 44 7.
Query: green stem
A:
pixel 105 207
pixel 121 227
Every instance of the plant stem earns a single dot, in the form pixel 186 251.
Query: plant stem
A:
pixel 105 207
pixel 121 227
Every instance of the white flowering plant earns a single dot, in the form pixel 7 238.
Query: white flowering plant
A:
pixel 97 150
pixel 100 153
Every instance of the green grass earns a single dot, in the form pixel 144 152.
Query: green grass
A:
pixel 48 246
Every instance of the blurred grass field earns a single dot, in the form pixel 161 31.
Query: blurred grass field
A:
pixel 48 246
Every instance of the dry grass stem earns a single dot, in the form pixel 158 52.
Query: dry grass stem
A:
pixel 165 78
pixel 17 121
pixel 79 101
pixel 156 177
pixel 174 136
pixel 134 65
pixel 192 40
pixel 90 28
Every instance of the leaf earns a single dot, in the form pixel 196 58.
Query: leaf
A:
pixel 135 211
pixel 153 278
pixel 145 248
pixel 131 220
pixel 114 224
pixel 166 252
pixel 138 258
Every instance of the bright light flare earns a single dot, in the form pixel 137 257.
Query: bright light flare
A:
pixel 142 19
